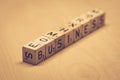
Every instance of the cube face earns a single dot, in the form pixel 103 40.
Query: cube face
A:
pixel 69 39
pixel 59 39
pixel 29 55
pixel 49 45
pixel 50 49
pixel 93 24
pixel 85 29
pixel 101 20
pixel 60 43
pixel 77 33
pixel 40 54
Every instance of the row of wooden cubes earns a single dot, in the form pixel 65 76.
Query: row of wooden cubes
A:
pixel 61 37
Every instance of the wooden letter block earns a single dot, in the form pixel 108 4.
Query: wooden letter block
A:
pixel 33 52
pixel 59 39
pixel 49 45
pixel 68 33
pixel 77 28
pixel 85 23
pixel 100 16
pixel 93 21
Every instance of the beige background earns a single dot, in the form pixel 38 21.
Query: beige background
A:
pixel 96 57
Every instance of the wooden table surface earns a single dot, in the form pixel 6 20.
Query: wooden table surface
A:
pixel 95 57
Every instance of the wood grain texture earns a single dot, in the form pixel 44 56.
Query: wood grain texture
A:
pixel 94 57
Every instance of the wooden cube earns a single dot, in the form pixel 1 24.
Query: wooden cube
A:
pixel 93 21
pixel 68 33
pixel 59 39
pixel 77 28
pixel 33 52
pixel 49 45
pixel 85 24
pixel 100 16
